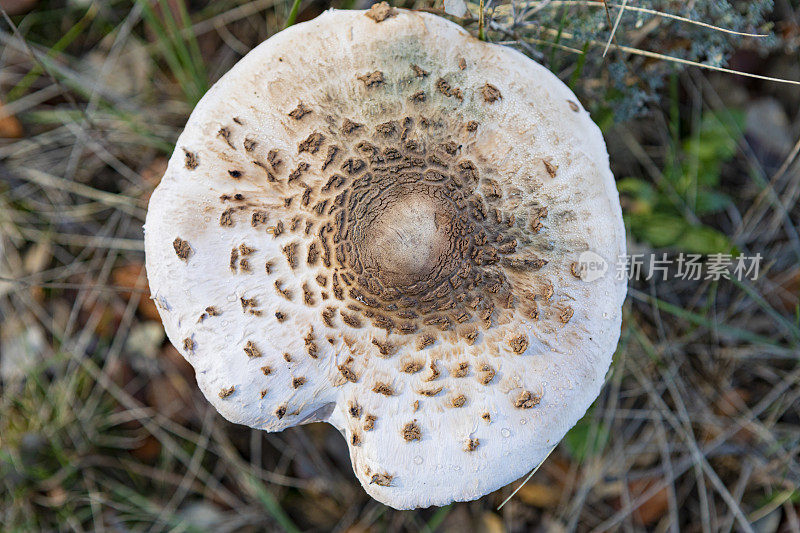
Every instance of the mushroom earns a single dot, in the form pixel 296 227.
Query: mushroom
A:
pixel 384 215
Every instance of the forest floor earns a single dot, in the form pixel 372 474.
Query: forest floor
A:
pixel 102 426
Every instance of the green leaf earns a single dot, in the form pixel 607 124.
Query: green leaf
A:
pixel 642 195
pixel 703 240
pixel 658 229
pixel 663 230
pixel 586 439
pixel 708 202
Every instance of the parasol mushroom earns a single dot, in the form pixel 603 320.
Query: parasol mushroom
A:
pixel 375 220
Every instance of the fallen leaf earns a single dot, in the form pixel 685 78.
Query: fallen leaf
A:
pixel 491 523
pixel 17 7
pixel 151 176
pixel 786 293
pixel 10 126
pixel 539 495
pixel 128 276
pixel 148 450
pixel 655 507
pixel 170 396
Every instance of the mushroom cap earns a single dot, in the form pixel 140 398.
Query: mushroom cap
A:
pixel 376 220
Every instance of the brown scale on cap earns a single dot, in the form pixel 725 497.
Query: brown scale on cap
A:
pixel 444 87
pixel 190 159
pixel 311 144
pixel 348 373
pixel 488 374
pixel 299 112
pixel 349 126
pixel 472 445
pixel 259 217
pixel 226 218
pixel 380 12
pixel 412 367
pixel 350 320
pixel 369 422
pixel 419 72
pixel 308 296
pixel 277 229
pixel 383 480
pixel 383 388
pixel 490 93
pixel 274 159
pixel 384 348
pixel 311 345
pixel 250 305
pixel 182 248
pixel 423 341
pixel 550 168
pixel 225 135
pixel 327 316
pixel 209 312
pixel 519 344
pixel 526 400
pixel 251 350
pixel 225 392
pixel 458 401
pixel 418 96
pixel 188 345
pixel 332 151
pixel 435 372
pixel 461 370
pixel 411 431
pixel 286 293
pixel 372 79
pixel 430 392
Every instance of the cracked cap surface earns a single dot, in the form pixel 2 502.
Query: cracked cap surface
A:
pixel 374 220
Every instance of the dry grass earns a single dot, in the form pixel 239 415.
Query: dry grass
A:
pixel 102 426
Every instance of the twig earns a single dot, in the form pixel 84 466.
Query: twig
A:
pixel 527 478
pixel 616 25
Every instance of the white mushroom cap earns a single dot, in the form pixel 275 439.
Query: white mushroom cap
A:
pixel 374 219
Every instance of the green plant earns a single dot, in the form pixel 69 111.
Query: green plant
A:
pixel 669 212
